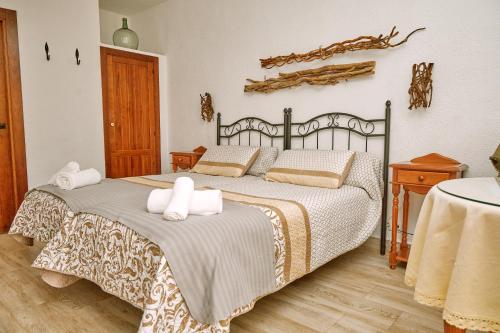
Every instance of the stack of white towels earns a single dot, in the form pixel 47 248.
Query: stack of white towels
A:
pixel 71 177
pixel 177 203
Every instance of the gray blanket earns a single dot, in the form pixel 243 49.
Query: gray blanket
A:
pixel 219 262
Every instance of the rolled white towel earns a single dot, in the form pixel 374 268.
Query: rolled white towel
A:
pixel 158 200
pixel 70 181
pixel 71 167
pixel 178 207
pixel 207 202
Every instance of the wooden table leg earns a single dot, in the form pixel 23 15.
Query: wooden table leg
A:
pixel 404 238
pixel 452 329
pixel 394 238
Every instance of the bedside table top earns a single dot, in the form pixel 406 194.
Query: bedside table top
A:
pixel 185 153
pixel 431 162
pixel 198 151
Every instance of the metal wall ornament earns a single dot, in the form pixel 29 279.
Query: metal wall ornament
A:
pixel 77 56
pixel 207 110
pixel 326 75
pixel 47 55
pixel 421 86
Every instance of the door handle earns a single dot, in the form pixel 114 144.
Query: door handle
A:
pixel 3 125
pixel 112 124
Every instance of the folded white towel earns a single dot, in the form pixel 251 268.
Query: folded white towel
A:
pixel 207 202
pixel 71 167
pixel 178 207
pixel 70 181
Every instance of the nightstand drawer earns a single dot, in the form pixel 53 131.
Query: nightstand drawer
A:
pixel 419 177
pixel 182 160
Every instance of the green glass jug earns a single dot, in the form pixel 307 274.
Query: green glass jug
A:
pixel 124 37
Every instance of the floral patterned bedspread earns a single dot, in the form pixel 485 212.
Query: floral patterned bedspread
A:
pixel 122 262
pixel 129 266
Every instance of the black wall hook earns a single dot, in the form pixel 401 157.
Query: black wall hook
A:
pixel 47 51
pixel 77 55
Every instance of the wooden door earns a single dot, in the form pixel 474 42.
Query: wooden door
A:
pixel 13 179
pixel 131 113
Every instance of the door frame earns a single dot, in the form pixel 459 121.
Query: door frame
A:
pixel 105 101
pixel 15 106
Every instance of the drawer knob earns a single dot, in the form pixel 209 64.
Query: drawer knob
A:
pixel 420 178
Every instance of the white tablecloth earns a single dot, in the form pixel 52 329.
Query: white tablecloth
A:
pixel 454 261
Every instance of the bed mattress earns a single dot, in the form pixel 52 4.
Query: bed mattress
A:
pixel 130 266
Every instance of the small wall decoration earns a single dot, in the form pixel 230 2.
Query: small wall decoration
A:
pixel 207 110
pixel 359 43
pixel 326 75
pixel 77 56
pixel 421 86
pixel 47 55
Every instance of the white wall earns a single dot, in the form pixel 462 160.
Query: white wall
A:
pixel 61 101
pixel 215 45
pixel 109 23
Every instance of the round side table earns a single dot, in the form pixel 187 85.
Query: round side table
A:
pixel 455 258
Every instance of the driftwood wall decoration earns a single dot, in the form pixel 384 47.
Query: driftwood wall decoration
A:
pixel 207 110
pixel 326 75
pixel 359 43
pixel 421 86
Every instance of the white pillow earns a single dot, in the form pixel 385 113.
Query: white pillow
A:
pixel 230 161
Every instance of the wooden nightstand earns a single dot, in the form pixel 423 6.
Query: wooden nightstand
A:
pixel 186 160
pixel 417 175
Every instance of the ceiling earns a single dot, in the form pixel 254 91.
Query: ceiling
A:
pixel 128 7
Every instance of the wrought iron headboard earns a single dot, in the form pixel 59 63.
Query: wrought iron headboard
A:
pixel 291 132
pixel 249 125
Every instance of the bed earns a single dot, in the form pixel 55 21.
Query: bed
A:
pixel 310 226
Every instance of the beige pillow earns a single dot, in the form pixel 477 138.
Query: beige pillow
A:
pixel 264 161
pixel 230 161
pixel 320 168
